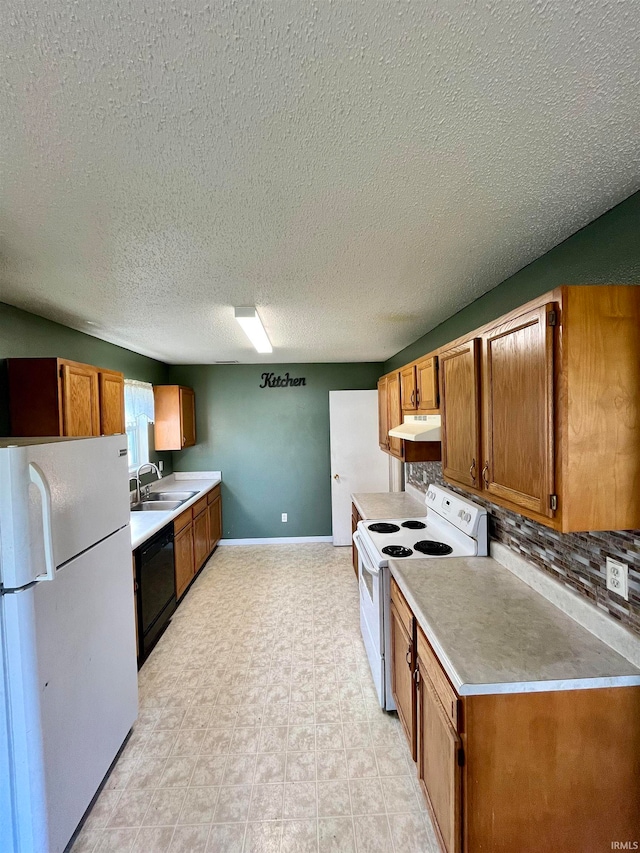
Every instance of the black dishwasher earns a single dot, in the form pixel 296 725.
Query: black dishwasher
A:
pixel 156 580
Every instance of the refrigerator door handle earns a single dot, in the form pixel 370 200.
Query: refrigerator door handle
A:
pixel 40 481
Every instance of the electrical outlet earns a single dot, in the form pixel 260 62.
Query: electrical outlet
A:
pixel 284 516
pixel 160 466
pixel 618 577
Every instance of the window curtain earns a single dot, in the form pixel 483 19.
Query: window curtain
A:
pixel 138 407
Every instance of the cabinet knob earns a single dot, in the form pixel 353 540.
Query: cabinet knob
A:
pixel 184 440
pixel 336 476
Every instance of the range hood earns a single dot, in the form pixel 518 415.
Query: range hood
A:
pixel 418 428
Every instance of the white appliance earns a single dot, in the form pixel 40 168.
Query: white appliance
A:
pixel 68 673
pixel 453 527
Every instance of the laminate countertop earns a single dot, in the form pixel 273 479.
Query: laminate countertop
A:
pixel 145 524
pixel 388 505
pixel 494 634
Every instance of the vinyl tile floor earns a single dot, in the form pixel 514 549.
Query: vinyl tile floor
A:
pixel 259 728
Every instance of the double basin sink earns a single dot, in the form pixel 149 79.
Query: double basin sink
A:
pixel 162 501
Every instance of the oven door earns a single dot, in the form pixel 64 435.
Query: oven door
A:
pixel 371 583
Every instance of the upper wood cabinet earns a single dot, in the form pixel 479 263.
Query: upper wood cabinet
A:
pixel 394 416
pixel 383 415
pixel 53 396
pixel 427 396
pixel 460 412
pixel 390 414
pixel 517 378
pixel 419 386
pixel 408 389
pixel 559 394
pixel 175 417
pixel 111 386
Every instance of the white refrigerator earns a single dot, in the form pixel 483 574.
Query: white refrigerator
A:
pixel 68 673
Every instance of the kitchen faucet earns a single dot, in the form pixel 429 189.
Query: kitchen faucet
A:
pixel 137 477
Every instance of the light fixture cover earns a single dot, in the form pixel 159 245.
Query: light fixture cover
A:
pixel 253 328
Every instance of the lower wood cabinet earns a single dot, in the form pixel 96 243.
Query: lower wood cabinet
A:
pixel 403 665
pixel 527 772
pixel 214 509
pixel 200 533
pixel 355 518
pixel 439 755
pixel 197 531
pixel 183 551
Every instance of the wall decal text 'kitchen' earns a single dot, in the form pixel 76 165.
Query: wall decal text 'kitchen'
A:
pixel 270 380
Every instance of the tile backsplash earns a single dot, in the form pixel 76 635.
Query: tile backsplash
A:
pixel 575 559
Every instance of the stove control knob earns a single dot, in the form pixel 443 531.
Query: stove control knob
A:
pixel 467 517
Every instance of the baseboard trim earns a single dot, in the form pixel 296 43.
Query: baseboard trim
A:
pixel 277 540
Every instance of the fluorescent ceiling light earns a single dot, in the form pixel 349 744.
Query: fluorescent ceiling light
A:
pixel 253 328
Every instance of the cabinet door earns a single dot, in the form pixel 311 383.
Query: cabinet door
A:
pixel 188 416
pixel 427 384
pixel 200 538
pixel 518 465
pixel 383 414
pixel 394 416
pixel 80 400
pixel 111 403
pixel 402 685
pixel 183 557
pixel 408 394
pixel 459 407
pixel 215 522
pixel 355 518
pixel 439 765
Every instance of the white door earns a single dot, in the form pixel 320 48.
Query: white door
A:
pixel 357 463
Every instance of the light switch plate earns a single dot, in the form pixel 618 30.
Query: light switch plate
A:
pixel 284 516
pixel 618 577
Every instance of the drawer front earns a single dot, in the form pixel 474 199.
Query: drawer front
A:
pixel 403 611
pixel 213 494
pixel 199 507
pixel 445 692
pixel 182 521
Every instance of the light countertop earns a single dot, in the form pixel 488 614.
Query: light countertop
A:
pixel 494 634
pixel 145 524
pixel 388 505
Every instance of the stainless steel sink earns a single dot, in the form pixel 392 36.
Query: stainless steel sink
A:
pixel 155 506
pixel 181 497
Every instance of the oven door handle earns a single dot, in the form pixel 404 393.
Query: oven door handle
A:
pixel 367 565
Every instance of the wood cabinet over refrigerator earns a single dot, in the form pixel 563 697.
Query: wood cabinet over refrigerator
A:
pixel 55 396
pixel 540 409
pixel 175 417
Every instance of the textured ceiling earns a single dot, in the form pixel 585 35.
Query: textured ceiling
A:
pixel 357 170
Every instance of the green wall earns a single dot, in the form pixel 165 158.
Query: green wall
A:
pixel 271 444
pixel 607 251
pixel 24 335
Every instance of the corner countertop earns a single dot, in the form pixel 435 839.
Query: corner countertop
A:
pixel 495 634
pixel 388 505
pixel 145 524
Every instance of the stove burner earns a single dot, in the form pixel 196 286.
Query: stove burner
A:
pixel 434 549
pixel 397 551
pixel 383 527
pixel 414 525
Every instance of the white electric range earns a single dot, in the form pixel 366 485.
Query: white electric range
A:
pixel 452 527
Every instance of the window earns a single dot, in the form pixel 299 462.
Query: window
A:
pixel 138 411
